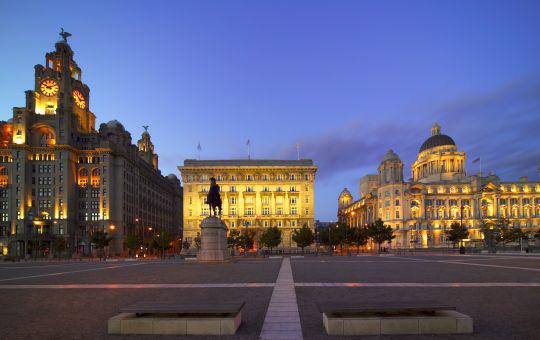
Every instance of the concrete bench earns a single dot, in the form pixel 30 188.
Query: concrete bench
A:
pixel 418 317
pixel 178 319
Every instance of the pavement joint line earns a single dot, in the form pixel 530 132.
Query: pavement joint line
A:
pixel 138 286
pixel 480 264
pixel 70 272
pixel 273 327
pixel 418 284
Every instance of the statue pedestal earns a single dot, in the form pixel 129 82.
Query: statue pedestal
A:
pixel 213 241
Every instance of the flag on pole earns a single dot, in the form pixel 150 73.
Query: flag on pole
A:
pixel 199 147
pixel 476 160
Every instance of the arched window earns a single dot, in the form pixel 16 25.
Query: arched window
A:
pixel 83 177
pixel 4 176
pixel 95 177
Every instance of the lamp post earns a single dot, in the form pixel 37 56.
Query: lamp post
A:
pixel 112 227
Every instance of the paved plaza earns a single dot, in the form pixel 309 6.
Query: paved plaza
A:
pixel 74 299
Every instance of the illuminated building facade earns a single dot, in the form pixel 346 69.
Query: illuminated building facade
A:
pixel 256 194
pixel 60 177
pixel 440 193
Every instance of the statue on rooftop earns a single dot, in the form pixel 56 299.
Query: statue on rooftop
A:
pixel 64 34
pixel 213 199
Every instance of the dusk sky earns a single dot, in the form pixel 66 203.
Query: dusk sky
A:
pixel 348 80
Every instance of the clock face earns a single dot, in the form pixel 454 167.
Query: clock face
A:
pixel 79 99
pixel 49 87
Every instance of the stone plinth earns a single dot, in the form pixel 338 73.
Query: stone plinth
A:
pixel 213 241
pixel 443 322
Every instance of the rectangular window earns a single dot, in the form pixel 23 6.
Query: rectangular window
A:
pixel 249 211
pixel 294 211
pixel 293 200
pixel 397 214
pixel 266 211
pixel 397 203
pixel 233 212
pixel 279 211
pixel 232 200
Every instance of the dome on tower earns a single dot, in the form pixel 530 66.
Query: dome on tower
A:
pixel 114 124
pixel 390 156
pixel 437 139
pixel 345 193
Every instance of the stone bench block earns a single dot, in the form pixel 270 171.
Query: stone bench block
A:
pixel 129 323
pixel 443 322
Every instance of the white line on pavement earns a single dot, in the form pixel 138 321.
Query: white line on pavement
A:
pixel 70 272
pixel 418 284
pixel 282 320
pixel 476 264
pixel 140 286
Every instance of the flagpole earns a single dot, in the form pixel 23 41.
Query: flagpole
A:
pixel 298 151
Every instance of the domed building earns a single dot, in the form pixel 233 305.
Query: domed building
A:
pixel 438 194
pixel 345 198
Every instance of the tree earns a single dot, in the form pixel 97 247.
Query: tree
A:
pixel 246 240
pixel 162 241
pixel 359 237
pixel 197 241
pixel 512 235
pixel 493 232
pixel 233 239
pixel 331 236
pixel 59 245
pixel 186 245
pixel 101 239
pixel 271 237
pixel 303 237
pixel 456 233
pixel 133 243
pixel 380 233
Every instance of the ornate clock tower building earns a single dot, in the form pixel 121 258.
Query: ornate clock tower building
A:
pixel 60 178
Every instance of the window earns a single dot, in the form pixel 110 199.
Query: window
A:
pixel 293 189
pixel 233 212
pixel 293 200
pixel 397 203
pixel 249 189
pixel 232 200
pixel 233 178
pixel 397 214
pixel 266 211
pixel 95 216
pixel 249 211
pixel 266 189
pixel 249 178
pixel 279 177
pixel 387 203
pixel 397 192
pixel 265 200
pixel 293 223
pixel 265 224
pixel 249 200
pixel 306 211
pixel 294 211
pixel 279 211
pixel 233 189
pixel 387 215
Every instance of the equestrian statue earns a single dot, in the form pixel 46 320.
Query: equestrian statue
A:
pixel 213 199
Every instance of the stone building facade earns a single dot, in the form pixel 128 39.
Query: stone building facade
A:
pixel 60 177
pixel 438 194
pixel 256 194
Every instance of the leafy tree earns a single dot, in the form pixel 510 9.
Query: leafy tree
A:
pixel 59 245
pixel 513 235
pixel 271 237
pixel 331 236
pixel 233 239
pixel 197 241
pixel 493 232
pixel 133 243
pixel 185 245
pixel 359 237
pixel 162 241
pixel 380 233
pixel 456 233
pixel 246 239
pixel 101 239
pixel 303 237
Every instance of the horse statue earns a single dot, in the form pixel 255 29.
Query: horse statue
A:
pixel 213 199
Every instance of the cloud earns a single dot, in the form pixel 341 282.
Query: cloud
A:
pixel 501 126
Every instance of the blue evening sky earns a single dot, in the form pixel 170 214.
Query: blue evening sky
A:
pixel 346 79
